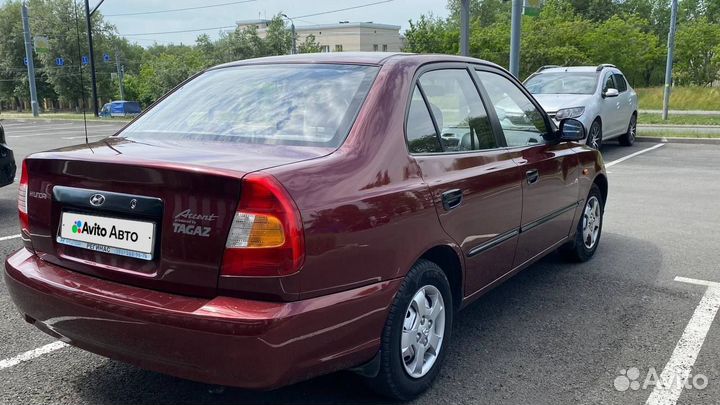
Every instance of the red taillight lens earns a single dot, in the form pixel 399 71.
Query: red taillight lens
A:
pixel 266 237
pixel 23 199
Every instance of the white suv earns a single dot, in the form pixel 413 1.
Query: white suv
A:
pixel 598 96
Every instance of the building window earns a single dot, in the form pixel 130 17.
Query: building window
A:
pixel 338 48
pixel 384 47
pixel 324 48
pixel 375 47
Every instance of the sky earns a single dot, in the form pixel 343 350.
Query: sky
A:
pixel 395 12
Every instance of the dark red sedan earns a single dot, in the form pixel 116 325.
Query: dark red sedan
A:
pixel 279 218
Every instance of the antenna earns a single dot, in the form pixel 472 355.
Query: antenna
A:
pixel 82 83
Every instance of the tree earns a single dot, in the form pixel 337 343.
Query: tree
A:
pixel 697 52
pixel 309 45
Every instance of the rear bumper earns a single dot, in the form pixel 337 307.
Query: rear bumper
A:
pixel 7 166
pixel 224 340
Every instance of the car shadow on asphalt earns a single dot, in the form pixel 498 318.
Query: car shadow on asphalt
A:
pixel 550 330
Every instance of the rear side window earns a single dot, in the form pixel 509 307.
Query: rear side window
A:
pixel 458 110
pixel 620 82
pixel 303 105
pixel 421 134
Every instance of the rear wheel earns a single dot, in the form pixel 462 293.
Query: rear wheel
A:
pixel 628 138
pixel 416 334
pixel 589 228
pixel 594 139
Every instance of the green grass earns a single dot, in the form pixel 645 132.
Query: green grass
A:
pixel 645 118
pixel 681 98
pixel 59 116
pixel 670 134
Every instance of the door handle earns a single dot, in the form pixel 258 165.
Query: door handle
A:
pixel 532 176
pixel 452 199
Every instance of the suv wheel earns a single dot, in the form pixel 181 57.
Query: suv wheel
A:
pixel 589 228
pixel 628 138
pixel 416 334
pixel 594 139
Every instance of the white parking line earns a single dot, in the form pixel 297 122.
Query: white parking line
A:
pixel 677 370
pixel 3 238
pixel 31 354
pixel 632 155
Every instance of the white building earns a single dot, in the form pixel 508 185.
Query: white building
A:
pixel 343 36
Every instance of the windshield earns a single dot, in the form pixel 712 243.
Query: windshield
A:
pixel 311 105
pixel 562 83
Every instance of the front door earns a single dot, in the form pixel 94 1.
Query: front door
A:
pixel 549 170
pixel 474 181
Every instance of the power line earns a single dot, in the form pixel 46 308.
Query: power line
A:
pixel 233 26
pixel 180 9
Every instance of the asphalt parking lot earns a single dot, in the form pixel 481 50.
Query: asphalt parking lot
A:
pixel 556 333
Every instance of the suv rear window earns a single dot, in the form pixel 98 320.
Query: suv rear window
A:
pixel 284 104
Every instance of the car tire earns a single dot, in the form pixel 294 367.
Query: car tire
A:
pixel 589 229
pixel 594 138
pixel 409 324
pixel 628 138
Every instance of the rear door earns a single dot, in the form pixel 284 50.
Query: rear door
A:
pixel 474 181
pixel 549 170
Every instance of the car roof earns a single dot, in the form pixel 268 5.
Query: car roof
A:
pixel 362 58
pixel 578 69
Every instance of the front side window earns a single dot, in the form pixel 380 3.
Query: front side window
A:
pixel 421 134
pixel 303 105
pixel 522 123
pixel 458 110
pixel 609 83
pixel 620 82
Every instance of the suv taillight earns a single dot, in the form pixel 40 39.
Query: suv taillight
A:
pixel 23 199
pixel 266 237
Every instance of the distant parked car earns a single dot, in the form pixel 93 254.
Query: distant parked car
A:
pixel 279 218
pixel 120 109
pixel 597 96
pixel 7 161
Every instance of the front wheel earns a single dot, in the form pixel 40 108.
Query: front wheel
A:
pixel 628 138
pixel 416 334
pixel 589 228
pixel 594 139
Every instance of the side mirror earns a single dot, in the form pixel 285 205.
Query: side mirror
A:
pixel 611 93
pixel 571 130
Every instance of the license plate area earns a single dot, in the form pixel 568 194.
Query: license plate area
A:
pixel 115 236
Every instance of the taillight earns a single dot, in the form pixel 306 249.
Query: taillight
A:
pixel 23 199
pixel 266 237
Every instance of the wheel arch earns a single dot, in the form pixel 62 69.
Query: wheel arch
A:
pixel 451 264
pixel 602 184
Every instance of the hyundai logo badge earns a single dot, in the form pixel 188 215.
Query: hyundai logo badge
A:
pixel 97 200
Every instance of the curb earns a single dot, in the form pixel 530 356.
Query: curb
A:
pixel 664 139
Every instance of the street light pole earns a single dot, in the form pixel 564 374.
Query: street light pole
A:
pixel 292 30
pixel 668 64
pixel 517 7
pixel 93 79
pixel 29 57
pixel 465 27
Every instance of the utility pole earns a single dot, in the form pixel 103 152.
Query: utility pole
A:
pixel 517 7
pixel 120 74
pixel 292 31
pixel 91 55
pixel 668 64
pixel 465 28
pixel 29 57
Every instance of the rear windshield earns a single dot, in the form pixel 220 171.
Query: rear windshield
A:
pixel 313 105
pixel 562 83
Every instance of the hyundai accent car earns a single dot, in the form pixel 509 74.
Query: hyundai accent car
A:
pixel 7 161
pixel 275 219
pixel 598 96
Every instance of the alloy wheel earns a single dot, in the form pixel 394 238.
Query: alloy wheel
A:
pixel 423 331
pixel 594 137
pixel 592 220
